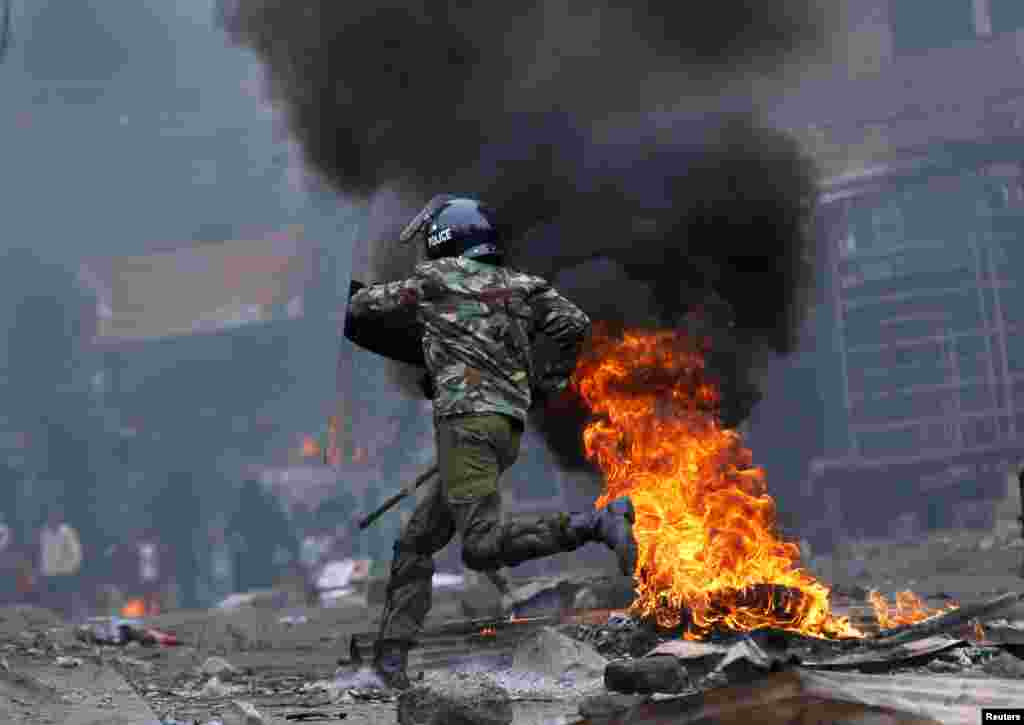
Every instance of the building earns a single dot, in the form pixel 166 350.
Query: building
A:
pixel 920 132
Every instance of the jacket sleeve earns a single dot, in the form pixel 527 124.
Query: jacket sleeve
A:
pixel 389 298
pixel 568 327
pixel 383 319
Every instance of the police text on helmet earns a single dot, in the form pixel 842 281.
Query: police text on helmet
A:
pixel 439 237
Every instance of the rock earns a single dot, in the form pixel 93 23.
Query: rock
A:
pixel 215 688
pixel 461 702
pixel 660 673
pixel 987 543
pixel 1005 665
pixel 551 653
pixel 244 713
pixel 218 667
pixel 69 662
pixel 609 705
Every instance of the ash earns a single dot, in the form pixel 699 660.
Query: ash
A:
pixel 520 684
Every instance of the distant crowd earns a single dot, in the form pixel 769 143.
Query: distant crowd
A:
pixel 157 568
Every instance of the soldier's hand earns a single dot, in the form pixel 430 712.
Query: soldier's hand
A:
pixel 354 287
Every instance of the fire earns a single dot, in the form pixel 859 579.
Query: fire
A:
pixel 705 524
pixel 909 609
pixel 310 447
pixel 134 608
pixel 488 632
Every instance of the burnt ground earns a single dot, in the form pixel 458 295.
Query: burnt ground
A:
pixel 285 668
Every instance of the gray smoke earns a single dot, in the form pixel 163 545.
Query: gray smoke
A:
pixel 616 139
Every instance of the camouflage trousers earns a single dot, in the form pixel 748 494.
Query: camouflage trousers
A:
pixel 473 451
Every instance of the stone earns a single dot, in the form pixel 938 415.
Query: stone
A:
pixel 218 667
pixel 609 705
pixel 986 543
pixel 459 702
pixel 69 662
pixel 550 653
pixel 660 673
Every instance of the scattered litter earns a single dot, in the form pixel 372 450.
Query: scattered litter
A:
pixel 117 631
pixel 69 662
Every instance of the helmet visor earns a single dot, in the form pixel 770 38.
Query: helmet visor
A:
pixel 415 226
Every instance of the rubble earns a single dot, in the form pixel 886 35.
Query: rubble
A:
pixel 214 688
pixel 218 667
pixel 552 654
pixel 461 702
pixel 609 704
pixel 244 713
pixel 1005 665
pixel 619 636
pixel 572 591
pixel 69 662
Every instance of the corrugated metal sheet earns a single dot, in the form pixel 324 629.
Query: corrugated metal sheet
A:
pixel 952 700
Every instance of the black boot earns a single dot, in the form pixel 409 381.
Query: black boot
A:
pixel 612 526
pixel 390 661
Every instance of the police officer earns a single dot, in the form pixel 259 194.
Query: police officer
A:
pixel 476 320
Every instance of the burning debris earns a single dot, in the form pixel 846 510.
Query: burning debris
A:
pixel 710 552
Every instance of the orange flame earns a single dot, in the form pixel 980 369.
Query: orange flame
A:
pixel 705 523
pixel 134 608
pixel 310 447
pixel 979 631
pixel 488 632
pixel 909 609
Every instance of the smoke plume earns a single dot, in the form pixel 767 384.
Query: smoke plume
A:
pixel 617 140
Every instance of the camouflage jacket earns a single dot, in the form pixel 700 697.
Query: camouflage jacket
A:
pixel 478 322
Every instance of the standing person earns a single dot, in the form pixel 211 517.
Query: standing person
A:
pixel 153 571
pixel 264 532
pixel 60 561
pixel 217 567
pixel 477 321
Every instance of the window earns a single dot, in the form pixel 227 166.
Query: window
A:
pixel 922 25
pixel 1006 15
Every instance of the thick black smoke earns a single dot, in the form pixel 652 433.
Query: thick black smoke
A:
pixel 613 137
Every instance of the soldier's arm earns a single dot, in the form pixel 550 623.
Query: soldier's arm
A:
pixel 568 327
pixel 389 298
pixel 382 318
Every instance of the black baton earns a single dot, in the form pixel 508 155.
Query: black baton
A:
pixel 390 503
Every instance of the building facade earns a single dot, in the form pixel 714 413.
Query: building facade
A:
pixel 922 222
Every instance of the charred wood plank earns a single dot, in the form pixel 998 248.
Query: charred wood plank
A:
pixel 946 622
